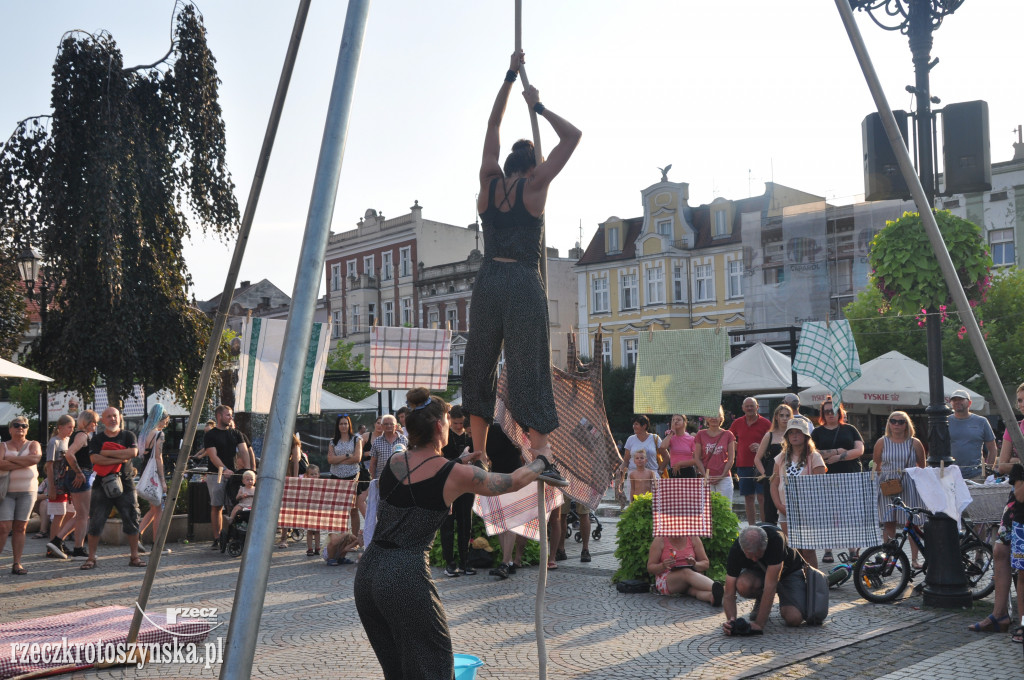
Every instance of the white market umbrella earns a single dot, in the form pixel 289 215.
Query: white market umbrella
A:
pixel 9 369
pixel 759 368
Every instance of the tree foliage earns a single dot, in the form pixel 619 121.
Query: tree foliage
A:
pixel 102 191
pixel 13 320
pixel 342 359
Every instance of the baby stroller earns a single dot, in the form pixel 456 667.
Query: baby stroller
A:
pixel 573 524
pixel 233 537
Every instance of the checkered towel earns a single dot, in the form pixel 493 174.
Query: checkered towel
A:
pixel 828 353
pixel 680 371
pixel 682 507
pixel 832 511
pixel 106 625
pixel 258 362
pixel 516 511
pixel 134 403
pixel 317 504
pixel 403 358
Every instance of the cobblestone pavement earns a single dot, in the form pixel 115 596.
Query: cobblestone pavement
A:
pixel 310 627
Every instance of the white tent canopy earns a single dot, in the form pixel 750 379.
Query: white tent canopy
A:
pixel 889 382
pixel 759 369
pixel 332 402
pixel 9 369
pixel 8 411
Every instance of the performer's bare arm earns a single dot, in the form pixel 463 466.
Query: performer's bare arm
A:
pixel 471 479
pixel 535 193
pixel 490 165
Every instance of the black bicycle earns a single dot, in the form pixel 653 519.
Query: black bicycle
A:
pixel 883 572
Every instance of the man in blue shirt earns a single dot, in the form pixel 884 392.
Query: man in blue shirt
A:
pixel 969 434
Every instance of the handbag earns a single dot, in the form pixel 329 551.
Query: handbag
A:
pixel 631 586
pixel 891 487
pixel 112 486
pixel 817 596
pixel 150 486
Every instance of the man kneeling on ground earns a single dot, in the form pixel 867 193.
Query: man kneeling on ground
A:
pixel 761 564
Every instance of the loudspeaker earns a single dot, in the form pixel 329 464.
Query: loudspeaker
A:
pixel 965 148
pixel 882 177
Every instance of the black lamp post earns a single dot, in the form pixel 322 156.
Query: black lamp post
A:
pixel 30 268
pixel 945 582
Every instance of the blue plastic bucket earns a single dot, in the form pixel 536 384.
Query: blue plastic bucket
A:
pixel 465 666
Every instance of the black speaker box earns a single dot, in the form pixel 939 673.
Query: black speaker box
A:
pixel 965 148
pixel 882 177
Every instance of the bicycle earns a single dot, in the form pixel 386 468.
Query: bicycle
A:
pixel 883 572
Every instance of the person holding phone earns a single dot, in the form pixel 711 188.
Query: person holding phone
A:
pixel 678 564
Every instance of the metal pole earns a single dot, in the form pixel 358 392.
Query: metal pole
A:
pixel 221 318
pixel 255 569
pixel 938 246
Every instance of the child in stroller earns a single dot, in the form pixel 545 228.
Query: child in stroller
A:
pixel 236 527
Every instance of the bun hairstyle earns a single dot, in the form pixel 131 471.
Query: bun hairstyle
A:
pixel 522 158
pixel 425 411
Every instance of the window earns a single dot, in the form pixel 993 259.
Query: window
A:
pixel 355 319
pixel 432 318
pixel 629 351
pixel 468 317
pixel 336 277
pixel 368 265
pixel 721 223
pixel 665 228
pixel 336 319
pixel 389 313
pixel 386 267
pixel 703 283
pixel 407 311
pixel 1002 247
pixel 774 275
pixel 628 293
pixel 606 352
pixel 655 286
pixel 351 268
pixel 678 292
pixel 613 241
pixel 552 312
pixel 735 279
pixel 371 314
pixel 451 316
pixel 842 276
pixel 455 363
pixel 405 261
pixel 601 299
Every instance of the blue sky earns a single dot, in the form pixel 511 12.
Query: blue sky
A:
pixel 733 93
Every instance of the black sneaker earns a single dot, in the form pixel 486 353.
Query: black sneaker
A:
pixel 511 567
pixel 560 556
pixel 215 545
pixel 501 571
pixel 54 547
pixel 450 571
pixel 717 593
pixel 468 571
pixel 553 477
pixel 585 556
pixel 80 554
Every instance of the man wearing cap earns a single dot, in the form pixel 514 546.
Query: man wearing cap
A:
pixel 793 401
pixel 969 435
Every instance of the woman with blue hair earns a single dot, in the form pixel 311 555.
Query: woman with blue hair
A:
pixel 151 441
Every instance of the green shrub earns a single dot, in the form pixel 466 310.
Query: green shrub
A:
pixel 531 551
pixel 636 533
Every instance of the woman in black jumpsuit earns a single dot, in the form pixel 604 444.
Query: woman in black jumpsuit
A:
pixel 509 304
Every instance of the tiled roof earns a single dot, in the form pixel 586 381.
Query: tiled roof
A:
pixel 595 251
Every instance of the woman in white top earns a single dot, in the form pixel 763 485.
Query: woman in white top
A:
pixel 344 454
pixel 642 440
pixel 799 457
pixel 18 460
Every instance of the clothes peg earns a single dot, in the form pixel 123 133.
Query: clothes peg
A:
pixel 942 469
pixel 650 333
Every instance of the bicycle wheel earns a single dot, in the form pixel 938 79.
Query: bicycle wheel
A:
pixel 882 573
pixel 977 559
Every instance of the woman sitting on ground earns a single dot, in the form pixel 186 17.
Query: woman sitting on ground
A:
pixel 799 457
pixel 678 564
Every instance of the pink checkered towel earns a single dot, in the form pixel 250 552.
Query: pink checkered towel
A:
pixel 317 504
pixel 516 511
pixel 403 358
pixel 682 507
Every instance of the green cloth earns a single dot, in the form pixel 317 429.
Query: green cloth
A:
pixel 680 372
pixel 827 352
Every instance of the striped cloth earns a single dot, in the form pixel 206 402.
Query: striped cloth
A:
pixel 81 632
pixel 680 371
pixel 827 352
pixel 317 504
pixel 516 511
pixel 832 511
pixel 403 358
pixel 134 403
pixel 682 507
pixel 262 347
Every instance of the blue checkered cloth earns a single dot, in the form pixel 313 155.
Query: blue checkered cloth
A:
pixel 827 352
pixel 832 511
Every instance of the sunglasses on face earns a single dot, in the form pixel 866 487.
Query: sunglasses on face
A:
pixel 897 421
pixel 828 413
pixel 20 426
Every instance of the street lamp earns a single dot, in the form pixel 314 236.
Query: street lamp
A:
pixel 945 582
pixel 30 268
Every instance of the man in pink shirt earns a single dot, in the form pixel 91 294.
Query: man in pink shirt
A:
pixel 749 431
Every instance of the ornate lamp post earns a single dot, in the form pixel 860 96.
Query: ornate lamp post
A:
pixel 945 583
pixel 30 268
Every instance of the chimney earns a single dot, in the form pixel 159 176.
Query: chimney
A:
pixel 552 253
pixel 245 284
pixel 1018 146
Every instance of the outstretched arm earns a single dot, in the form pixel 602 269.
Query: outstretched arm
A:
pixel 490 166
pixel 471 479
pixel 568 137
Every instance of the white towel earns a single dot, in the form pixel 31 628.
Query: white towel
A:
pixel 260 358
pixel 944 492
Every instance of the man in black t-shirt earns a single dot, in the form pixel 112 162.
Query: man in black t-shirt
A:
pixel 221 445
pixel 761 564
pixel 462 507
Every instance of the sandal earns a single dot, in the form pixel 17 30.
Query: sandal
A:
pixel 991 624
pixel 310 552
pixel 90 563
pixel 40 534
pixel 136 562
pixel 828 559
pixel 18 570
pixel 282 545
pixel 552 565
pixel 1018 635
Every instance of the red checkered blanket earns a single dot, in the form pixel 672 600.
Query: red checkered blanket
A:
pixel 72 640
pixel 403 358
pixel 682 507
pixel 317 504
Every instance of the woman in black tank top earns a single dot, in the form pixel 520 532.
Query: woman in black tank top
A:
pixel 509 300
pixel 395 596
